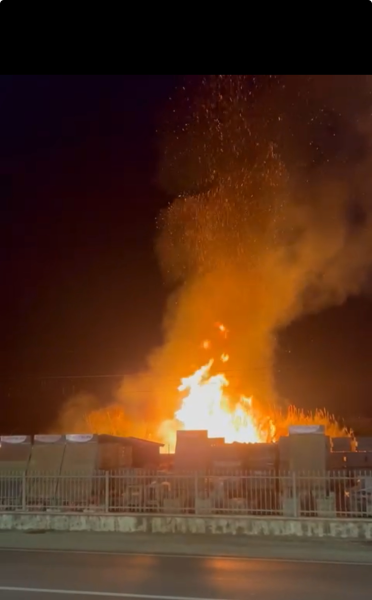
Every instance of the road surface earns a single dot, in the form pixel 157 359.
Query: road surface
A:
pixel 75 576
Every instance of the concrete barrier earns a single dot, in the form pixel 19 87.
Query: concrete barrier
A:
pixel 353 529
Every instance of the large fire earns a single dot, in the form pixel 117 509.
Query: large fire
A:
pixel 207 406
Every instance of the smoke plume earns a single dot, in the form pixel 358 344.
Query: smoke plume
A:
pixel 73 415
pixel 271 220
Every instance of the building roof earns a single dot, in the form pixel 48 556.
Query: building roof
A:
pixel 136 440
pixel 107 438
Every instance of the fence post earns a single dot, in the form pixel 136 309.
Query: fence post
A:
pixel 24 491
pixel 107 491
pixel 294 494
pixel 196 492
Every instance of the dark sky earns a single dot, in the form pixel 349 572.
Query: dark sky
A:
pixel 81 291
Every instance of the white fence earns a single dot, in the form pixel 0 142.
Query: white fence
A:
pixel 329 494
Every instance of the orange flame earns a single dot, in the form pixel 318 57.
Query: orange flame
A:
pixel 207 406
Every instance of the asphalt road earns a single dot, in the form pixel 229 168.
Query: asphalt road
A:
pixel 53 575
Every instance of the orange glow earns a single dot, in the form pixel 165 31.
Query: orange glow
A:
pixel 207 406
pixel 207 403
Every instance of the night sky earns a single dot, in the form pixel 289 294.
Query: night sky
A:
pixel 82 295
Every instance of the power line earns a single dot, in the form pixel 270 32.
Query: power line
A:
pixel 149 376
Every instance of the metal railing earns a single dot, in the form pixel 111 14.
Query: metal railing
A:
pixel 329 494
